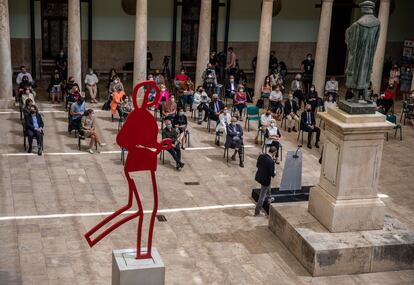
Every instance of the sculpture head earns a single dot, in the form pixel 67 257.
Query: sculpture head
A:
pixel 367 7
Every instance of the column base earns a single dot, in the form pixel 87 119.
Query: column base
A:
pixel 346 215
pixel 126 270
pixel 7 104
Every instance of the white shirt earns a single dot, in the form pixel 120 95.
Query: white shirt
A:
pixel 276 96
pixel 331 86
pixel 272 133
pixel 265 120
pixel 91 79
pixel 329 105
pixel 224 120
pixel 19 77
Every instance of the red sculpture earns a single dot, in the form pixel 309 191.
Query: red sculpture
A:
pixel 139 136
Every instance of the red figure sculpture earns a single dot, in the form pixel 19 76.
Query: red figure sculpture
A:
pixel 139 136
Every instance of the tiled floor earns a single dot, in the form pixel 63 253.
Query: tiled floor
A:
pixel 215 246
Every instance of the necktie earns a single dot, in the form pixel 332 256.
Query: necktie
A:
pixel 217 107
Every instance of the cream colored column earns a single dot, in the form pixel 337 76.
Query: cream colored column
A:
pixel 203 47
pixel 376 76
pixel 322 47
pixel 140 48
pixel 263 50
pixel 412 84
pixel 74 41
pixel 6 75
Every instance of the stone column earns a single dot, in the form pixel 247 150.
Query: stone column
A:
pixel 322 47
pixel 140 47
pixel 74 41
pixel 203 47
pixel 376 76
pixel 6 74
pixel 263 50
pixel 412 83
pixel 346 198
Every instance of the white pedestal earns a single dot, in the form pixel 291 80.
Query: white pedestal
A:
pixel 346 198
pixel 126 270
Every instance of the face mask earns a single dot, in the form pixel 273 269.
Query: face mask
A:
pixel 181 113
pixel 308 110
pixel 173 100
pixel 169 126
pixel 116 81
pixel 91 72
pixel 277 90
pixel 231 80
pixel 312 89
pixel 182 72
pixel 225 112
pixel 290 98
pixel 214 99
pixel 32 111
pixel 233 123
pixel 273 125
pixel 242 90
pixel 330 99
pixel 309 58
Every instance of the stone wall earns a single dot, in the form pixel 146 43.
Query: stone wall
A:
pixel 107 54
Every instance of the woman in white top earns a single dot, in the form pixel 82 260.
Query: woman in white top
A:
pixel 330 103
pixel 275 100
pixel 200 102
pixel 224 121
pixel 272 137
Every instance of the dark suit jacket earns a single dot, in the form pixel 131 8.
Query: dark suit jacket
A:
pixel 211 106
pixel 232 133
pixel 29 122
pixel 265 169
pixel 304 119
pixel 288 108
pixel 228 90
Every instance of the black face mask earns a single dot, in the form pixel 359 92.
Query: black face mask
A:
pixel 32 111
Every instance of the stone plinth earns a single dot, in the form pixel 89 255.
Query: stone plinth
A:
pixel 346 197
pixel 324 253
pixel 126 270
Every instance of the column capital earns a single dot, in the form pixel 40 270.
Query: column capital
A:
pixel 330 1
pixel 385 1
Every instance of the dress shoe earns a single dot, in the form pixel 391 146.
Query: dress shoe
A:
pixel 39 151
pixel 29 150
pixel 182 164
pixel 309 146
pixel 317 144
pixel 177 166
pixel 241 164
pixel 233 157
pixel 289 130
pixel 294 129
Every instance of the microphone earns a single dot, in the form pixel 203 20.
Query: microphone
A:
pixel 295 156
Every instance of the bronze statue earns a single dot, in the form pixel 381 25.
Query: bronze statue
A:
pixel 361 38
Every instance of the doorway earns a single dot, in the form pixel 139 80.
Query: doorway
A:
pixel 341 20
pixel 54 14
pixel 189 28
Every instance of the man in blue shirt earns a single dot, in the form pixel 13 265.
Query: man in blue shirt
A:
pixel 76 112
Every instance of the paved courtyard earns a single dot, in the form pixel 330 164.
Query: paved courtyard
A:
pixel 47 203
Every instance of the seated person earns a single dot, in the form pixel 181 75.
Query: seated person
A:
pixel 215 108
pixel 169 109
pixel 331 88
pixel 165 97
pixel 297 88
pixel 159 78
pixel 23 72
pixel 240 100
pixel 55 87
pixel 152 91
pixel 115 85
pixel 308 124
pixel 378 103
pixel 410 108
pixel 187 95
pixel 26 83
pixel 76 112
pixel 266 88
pixel 231 87
pixel 312 98
pixel 275 101
pixel 27 95
pixel 26 108
pixel 88 129
pixel 180 77
pixel 73 96
pixel 234 139
pixel 272 137
pixel 34 128
pixel 91 81
pixel 180 123
pixel 69 85
pixel 264 123
pixel 125 107
pixel 330 102
pixel 209 79
pixel 224 121
pixel 169 132
pixel 388 98
pixel 201 102
pixel 290 111
pixel 117 96
pixel 274 78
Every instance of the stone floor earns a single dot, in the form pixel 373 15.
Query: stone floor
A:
pixel 199 244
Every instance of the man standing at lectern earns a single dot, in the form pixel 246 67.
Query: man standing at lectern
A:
pixel 265 171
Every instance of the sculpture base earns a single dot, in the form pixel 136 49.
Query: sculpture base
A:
pixel 346 215
pixel 126 270
pixel 324 253
pixel 357 108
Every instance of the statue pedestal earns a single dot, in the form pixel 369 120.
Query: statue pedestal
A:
pixel 346 197
pixel 126 270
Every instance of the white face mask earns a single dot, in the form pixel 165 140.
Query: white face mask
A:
pixel 242 90
pixel 312 89
pixel 273 125
pixel 181 113
pixel 290 98
pixel 225 112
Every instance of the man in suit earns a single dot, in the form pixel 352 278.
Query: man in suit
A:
pixel 231 87
pixel 308 124
pixel 34 128
pixel 290 111
pixel 215 108
pixel 265 171
pixel 234 140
